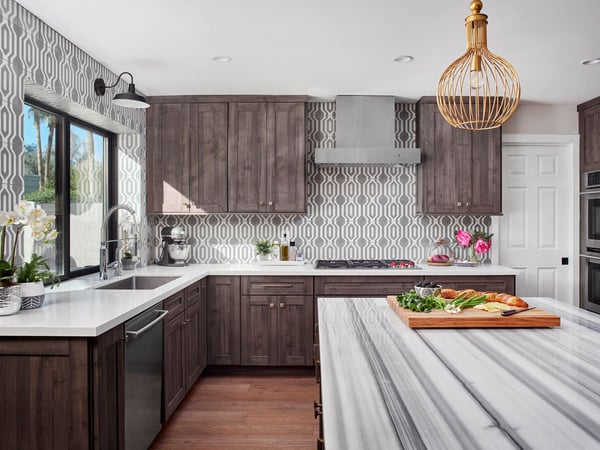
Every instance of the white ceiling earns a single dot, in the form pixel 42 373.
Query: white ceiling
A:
pixel 324 48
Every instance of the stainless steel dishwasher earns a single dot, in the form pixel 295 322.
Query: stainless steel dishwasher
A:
pixel 143 377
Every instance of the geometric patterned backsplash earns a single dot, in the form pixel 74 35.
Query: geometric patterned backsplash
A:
pixel 37 61
pixel 353 212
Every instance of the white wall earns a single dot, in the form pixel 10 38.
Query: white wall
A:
pixel 543 119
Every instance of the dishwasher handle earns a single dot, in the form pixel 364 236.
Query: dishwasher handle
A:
pixel 145 328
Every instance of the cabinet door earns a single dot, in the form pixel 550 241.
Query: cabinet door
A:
pixel 589 135
pixel 174 377
pixel 247 157
pixel 45 394
pixel 167 158
pixel 295 334
pixel 482 185
pixel 193 356
pixel 259 330
pixel 208 158
pixel 223 318
pixel 286 157
pixel 441 146
pixel 108 387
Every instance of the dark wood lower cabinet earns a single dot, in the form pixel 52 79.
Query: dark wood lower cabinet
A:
pixel 62 393
pixel 277 330
pixel 223 323
pixel 184 345
pixel 108 381
pixel 174 378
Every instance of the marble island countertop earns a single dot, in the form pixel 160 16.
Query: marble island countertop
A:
pixel 386 386
pixel 76 308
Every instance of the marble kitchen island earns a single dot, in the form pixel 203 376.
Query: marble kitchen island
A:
pixel 387 386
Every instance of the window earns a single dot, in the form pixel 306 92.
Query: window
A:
pixel 66 167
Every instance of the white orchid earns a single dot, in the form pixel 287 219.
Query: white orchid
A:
pixel 26 213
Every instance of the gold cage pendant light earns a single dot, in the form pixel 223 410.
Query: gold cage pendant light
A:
pixel 479 90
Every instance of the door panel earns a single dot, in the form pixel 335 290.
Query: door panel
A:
pixel 536 229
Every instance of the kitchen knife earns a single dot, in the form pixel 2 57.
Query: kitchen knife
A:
pixel 510 312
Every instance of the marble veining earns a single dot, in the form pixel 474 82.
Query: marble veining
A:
pixel 386 386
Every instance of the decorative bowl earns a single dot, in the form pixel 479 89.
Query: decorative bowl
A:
pixel 427 291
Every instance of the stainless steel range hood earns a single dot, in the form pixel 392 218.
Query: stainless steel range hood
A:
pixel 365 134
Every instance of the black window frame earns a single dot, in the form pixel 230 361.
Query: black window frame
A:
pixel 62 163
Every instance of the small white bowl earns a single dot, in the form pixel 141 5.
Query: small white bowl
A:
pixel 427 291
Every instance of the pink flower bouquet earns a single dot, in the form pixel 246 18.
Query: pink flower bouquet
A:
pixel 479 242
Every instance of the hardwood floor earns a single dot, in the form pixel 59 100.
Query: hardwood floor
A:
pixel 249 409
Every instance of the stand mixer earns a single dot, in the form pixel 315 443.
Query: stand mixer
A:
pixel 175 252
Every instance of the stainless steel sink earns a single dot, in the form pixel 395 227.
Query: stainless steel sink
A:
pixel 138 283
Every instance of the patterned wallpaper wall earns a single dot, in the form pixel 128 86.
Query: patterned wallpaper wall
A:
pixel 37 61
pixel 353 212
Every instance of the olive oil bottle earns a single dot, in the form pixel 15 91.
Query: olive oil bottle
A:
pixel 284 247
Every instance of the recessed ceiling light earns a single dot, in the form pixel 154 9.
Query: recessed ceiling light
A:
pixel 222 59
pixel 590 62
pixel 403 59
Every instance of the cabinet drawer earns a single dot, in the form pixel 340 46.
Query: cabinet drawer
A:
pixel 175 304
pixel 193 294
pixel 364 286
pixel 277 285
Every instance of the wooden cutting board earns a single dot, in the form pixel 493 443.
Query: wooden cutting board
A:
pixel 474 318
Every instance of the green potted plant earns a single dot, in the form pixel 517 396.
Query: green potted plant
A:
pixel 31 276
pixel 128 262
pixel 263 250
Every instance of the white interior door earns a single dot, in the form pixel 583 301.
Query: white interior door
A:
pixel 539 226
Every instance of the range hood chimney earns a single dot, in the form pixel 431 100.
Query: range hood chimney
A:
pixel 365 134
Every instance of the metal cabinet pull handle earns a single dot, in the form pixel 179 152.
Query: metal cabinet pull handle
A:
pixel 277 285
pixel 270 203
pixel 282 305
pixel 458 203
pixel 468 204
pixel 261 203
pixel 318 409
pixel 271 305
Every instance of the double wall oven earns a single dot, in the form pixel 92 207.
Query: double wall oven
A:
pixel 590 242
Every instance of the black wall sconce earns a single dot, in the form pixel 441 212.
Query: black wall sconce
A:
pixel 129 99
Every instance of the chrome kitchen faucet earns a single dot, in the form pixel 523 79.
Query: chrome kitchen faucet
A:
pixel 104 257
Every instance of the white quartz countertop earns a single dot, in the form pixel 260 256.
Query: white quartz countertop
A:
pixel 75 308
pixel 386 386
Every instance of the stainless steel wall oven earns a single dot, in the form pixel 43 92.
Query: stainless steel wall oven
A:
pixel 590 242
pixel 590 283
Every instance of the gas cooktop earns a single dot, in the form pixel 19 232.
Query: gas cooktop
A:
pixel 366 264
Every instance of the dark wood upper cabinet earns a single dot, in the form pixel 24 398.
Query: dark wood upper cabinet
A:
pixel 589 135
pixel 286 157
pixel 186 161
pixel 213 154
pixel 267 157
pixel 167 155
pixel 461 170
pixel 247 156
